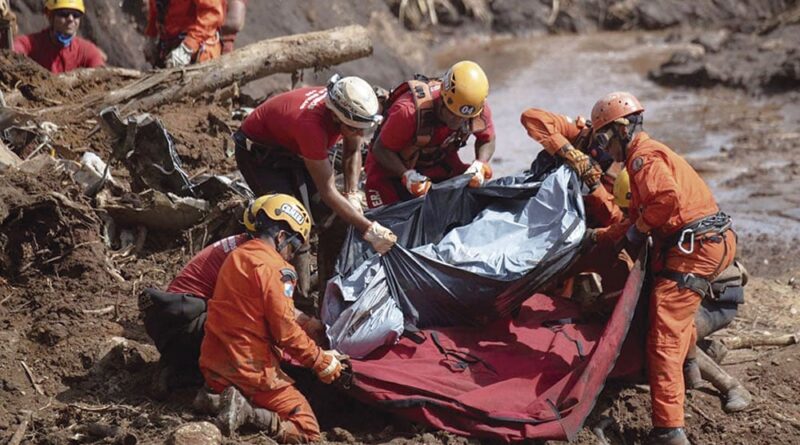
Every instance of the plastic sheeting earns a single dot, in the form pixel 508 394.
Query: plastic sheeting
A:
pixel 465 257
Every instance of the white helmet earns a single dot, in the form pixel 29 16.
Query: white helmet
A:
pixel 353 101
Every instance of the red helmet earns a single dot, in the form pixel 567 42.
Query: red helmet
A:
pixel 614 106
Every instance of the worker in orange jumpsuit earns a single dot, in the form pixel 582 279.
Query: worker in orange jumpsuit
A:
pixel 235 14
pixel 693 243
pixel 570 139
pixel 251 324
pixel 58 47
pixel 183 32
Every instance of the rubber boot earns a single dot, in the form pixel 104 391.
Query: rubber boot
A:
pixel 206 402
pixel 716 350
pixel 667 436
pixel 691 374
pixel 234 412
pixel 736 396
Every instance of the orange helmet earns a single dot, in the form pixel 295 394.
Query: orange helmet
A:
pixel 614 106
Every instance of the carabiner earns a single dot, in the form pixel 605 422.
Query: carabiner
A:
pixel 682 241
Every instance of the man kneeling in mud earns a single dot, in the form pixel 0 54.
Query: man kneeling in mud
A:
pixel 175 318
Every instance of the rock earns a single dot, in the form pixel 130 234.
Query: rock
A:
pixel 122 353
pixel 341 435
pixel 713 41
pixel 196 433
pixel 49 333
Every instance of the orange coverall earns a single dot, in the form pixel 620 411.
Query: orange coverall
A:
pixel 666 195
pixel 251 320
pixel 554 131
pixel 198 20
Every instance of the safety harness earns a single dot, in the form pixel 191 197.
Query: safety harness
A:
pixel 421 153
pixel 725 287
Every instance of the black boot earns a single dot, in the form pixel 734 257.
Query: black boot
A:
pixel 234 412
pixel 667 436
pixel 691 374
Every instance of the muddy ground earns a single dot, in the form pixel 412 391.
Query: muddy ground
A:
pixel 68 298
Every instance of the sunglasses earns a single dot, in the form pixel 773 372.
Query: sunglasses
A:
pixel 65 13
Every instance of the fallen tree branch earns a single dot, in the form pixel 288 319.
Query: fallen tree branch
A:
pixel 101 311
pixel 742 342
pixel 19 434
pixel 791 421
pixel 282 55
pixel 29 373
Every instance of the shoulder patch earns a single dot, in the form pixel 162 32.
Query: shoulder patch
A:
pixel 637 164
pixel 288 278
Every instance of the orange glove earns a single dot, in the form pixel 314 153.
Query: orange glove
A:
pixel 480 171
pixel 592 177
pixel 329 365
pixel 417 184
pixel 577 160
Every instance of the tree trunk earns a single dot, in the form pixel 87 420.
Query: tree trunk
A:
pixel 281 55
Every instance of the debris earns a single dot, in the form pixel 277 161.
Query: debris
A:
pixel 29 373
pixel 101 311
pixel 196 433
pixel 159 211
pixel 8 159
pixel 741 342
pixel 92 174
pixel 122 353
pixel 19 434
pixel 117 434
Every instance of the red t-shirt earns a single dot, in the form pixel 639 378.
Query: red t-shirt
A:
pixel 43 50
pixel 400 127
pixel 199 276
pixel 297 120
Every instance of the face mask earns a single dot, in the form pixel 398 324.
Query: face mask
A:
pixel 64 39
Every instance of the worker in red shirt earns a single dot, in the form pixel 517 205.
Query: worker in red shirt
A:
pixel 693 244
pixel 58 47
pixel 426 122
pixel 283 145
pixel 234 24
pixel 183 32
pixel 251 325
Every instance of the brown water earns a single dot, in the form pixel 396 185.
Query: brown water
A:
pixel 567 74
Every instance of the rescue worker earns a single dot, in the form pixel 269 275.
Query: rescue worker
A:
pixel 234 24
pixel 282 147
pixel 58 47
pixel 600 273
pixel 183 32
pixel 251 324
pixel 174 319
pixel 693 241
pixel 712 315
pixel 426 122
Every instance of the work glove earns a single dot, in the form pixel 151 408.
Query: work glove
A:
pixel 180 56
pixel 592 177
pixel 354 198
pixel 329 366
pixel 417 184
pixel 577 160
pixel 4 9
pixel 480 171
pixel 381 238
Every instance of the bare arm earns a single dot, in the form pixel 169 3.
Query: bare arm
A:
pixel 351 162
pixel 484 150
pixel 388 159
pixel 322 173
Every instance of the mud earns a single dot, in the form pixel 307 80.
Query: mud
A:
pixel 65 293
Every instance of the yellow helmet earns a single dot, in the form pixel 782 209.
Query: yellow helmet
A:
pixel 53 5
pixel 280 208
pixel 464 89
pixel 622 189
